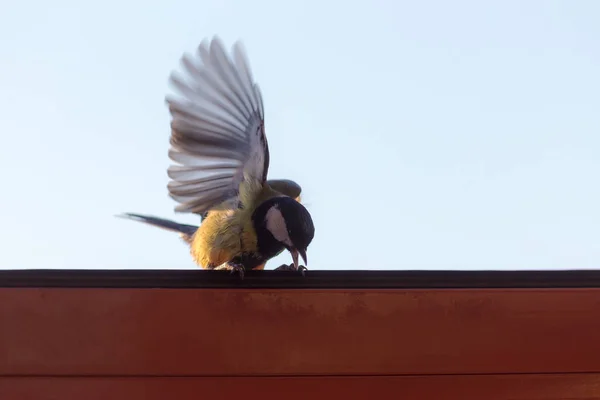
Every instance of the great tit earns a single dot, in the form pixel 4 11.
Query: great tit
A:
pixel 186 232
pixel 219 144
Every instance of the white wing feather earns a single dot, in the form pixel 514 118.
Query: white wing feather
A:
pixel 217 128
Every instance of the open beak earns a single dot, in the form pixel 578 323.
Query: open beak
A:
pixel 295 253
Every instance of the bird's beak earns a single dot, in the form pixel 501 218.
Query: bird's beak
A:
pixel 295 253
pixel 303 255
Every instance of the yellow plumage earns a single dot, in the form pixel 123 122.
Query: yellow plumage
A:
pixel 227 233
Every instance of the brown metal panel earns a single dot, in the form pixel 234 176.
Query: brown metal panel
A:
pixel 460 387
pixel 296 332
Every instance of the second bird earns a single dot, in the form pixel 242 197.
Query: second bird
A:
pixel 218 141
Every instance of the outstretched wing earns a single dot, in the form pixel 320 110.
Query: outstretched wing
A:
pixel 217 128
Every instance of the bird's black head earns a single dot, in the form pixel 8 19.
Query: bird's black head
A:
pixel 282 222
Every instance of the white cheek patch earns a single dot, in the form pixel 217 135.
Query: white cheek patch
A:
pixel 276 225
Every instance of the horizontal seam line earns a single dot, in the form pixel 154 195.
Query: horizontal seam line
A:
pixel 483 374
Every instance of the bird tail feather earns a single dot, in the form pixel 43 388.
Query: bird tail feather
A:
pixel 185 231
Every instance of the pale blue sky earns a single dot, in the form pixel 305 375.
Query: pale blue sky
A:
pixel 425 134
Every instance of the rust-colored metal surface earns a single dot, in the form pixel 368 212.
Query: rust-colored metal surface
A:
pixel 246 332
pixel 488 387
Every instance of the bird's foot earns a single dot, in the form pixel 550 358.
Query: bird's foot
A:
pixel 290 267
pixel 237 268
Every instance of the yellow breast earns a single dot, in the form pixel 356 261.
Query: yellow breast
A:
pixel 225 234
pixel 222 236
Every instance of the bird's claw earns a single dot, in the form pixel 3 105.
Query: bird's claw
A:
pixel 290 267
pixel 237 268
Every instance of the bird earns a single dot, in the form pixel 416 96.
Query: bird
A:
pixel 221 161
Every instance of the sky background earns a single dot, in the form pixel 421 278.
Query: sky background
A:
pixel 425 135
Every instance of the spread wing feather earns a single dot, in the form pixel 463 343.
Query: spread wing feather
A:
pixel 217 128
